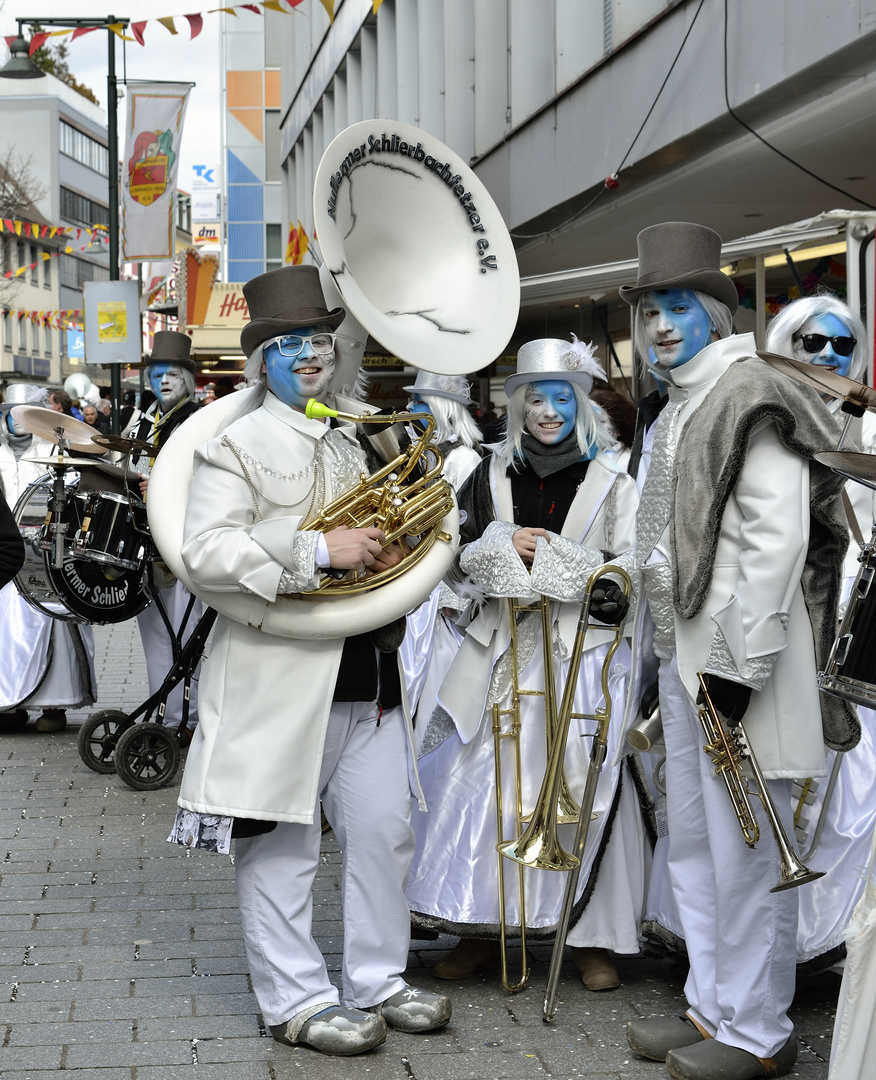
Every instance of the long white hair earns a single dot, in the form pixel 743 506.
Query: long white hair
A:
pixel 453 421
pixel 592 426
pixel 787 323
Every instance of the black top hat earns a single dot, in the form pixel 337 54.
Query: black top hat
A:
pixel 282 301
pixel 681 255
pixel 171 347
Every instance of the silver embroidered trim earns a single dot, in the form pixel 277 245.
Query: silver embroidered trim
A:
pixel 492 562
pixel 447 598
pixel 347 462
pixel 259 466
pixel 657 584
pixel 528 630
pixel 755 672
pixel 304 575
pixel 655 502
pixel 610 524
pixel 439 729
pixel 561 568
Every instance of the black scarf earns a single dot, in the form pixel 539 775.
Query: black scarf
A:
pixel 545 460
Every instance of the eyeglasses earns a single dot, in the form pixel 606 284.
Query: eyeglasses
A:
pixel 293 344
pixel 814 343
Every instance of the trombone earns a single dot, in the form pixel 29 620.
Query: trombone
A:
pixel 539 846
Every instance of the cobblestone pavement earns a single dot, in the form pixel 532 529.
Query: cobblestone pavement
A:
pixel 122 956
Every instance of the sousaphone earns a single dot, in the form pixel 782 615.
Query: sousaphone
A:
pixel 423 262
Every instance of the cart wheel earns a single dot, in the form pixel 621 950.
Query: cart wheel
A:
pixel 98 737
pixel 147 756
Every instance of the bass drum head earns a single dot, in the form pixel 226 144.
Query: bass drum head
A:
pixel 78 591
pixel 289 616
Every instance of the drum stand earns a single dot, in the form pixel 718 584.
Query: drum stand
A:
pixel 145 753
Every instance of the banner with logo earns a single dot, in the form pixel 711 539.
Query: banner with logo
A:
pixel 153 133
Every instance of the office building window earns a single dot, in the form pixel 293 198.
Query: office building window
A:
pixel 74 272
pixel 82 211
pixel 273 247
pixel 48 332
pixel 22 335
pixel 7 329
pixel 35 334
pixel 82 148
pixel 47 274
pixel 34 265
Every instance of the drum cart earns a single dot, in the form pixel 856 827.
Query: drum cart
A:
pixel 146 753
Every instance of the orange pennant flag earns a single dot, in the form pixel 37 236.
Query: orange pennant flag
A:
pixel 303 244
pixel 292 247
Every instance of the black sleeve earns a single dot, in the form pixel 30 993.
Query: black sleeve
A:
pixel 11 544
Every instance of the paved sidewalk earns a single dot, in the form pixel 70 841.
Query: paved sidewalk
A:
pixel 122 958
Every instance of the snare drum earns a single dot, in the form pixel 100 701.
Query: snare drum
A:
pixel 851 669
pixel 80 590
pixel 112 529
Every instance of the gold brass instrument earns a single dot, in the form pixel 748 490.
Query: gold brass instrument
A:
pixel 538 847
pixel 728 747
pixel 407 497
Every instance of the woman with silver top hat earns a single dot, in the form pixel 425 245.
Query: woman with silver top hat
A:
pixel 739 548
pixel 823 331
pixel 432 639
pixel 171 374
pixel 289 723
pixel 549 506
pixel 48 663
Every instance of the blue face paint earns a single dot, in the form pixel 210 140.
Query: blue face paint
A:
pixel 296 379
pixel 417 405
pixel 549 411
pixel 829 326
pixel 167 385
pixel 677 326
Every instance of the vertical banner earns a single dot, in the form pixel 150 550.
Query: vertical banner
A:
pixel 153 134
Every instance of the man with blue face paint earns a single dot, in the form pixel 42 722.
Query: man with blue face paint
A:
pixel 739 546
pixel 289 723
pixel 170 371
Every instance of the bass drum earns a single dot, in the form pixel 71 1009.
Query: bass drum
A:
pixel 79 590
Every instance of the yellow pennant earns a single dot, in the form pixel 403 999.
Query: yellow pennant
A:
pixel 329 5
pixel 118 29
pixel 167 21
pixel 375 5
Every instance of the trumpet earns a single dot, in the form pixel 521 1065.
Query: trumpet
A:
pixel 408 497
pixel 728 747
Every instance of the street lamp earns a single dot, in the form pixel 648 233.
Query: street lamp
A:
pixel 20 66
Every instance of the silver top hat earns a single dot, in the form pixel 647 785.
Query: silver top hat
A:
pixel 454 387
pixel 553 358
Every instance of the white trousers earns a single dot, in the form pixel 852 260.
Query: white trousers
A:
pixel 366 796
pixel 158 648
pixel 741 938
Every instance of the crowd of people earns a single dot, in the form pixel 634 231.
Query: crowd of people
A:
pixel 409 733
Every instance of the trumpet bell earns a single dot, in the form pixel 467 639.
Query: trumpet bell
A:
pixel 416 247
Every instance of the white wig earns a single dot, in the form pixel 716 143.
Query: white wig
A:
pixel 788 322
pixel 453 421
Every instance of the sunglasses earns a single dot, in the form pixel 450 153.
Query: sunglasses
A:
pixel 814 343
pixel 293 344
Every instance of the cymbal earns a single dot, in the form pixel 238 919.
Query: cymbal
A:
pixel 825 382
pixel 127 446
pixel 46 422
pixel 63 462
pixel 858 467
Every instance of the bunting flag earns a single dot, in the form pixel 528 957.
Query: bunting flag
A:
pixel 46 255
pixel 195 21
pixel 49 232
pixel 303 243
pixel 68 319
pixel 153 133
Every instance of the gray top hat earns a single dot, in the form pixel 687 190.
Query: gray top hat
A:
pixel 553 358
pixel 454 387
pixel 681 255
pixel 171 347
pixel 283 301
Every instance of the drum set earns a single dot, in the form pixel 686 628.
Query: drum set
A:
pixel 851 671
pixel 90 558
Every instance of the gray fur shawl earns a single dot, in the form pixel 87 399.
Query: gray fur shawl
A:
pixel 711 453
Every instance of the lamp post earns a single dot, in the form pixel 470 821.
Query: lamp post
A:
pixel 20 66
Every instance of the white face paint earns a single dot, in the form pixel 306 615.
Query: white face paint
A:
pixel 550 410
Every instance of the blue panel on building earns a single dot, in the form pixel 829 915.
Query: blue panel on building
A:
pixel 238 173
pixel 243 271
pixel 246 202
pixel 246 241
